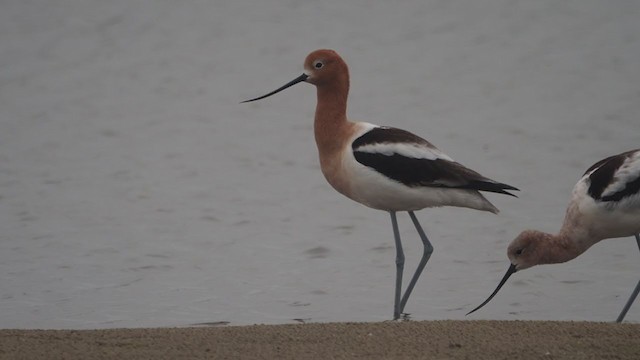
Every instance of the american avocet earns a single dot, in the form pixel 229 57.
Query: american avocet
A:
pixel 383 167
pixel 605 204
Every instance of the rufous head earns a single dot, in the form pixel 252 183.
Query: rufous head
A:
pixel 321 68
pixel 525 250
pixel 325 66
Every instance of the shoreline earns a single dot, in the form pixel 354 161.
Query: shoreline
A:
pixel 442 339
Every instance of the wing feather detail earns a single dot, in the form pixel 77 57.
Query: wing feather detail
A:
pixel 616 177
pixel 415 162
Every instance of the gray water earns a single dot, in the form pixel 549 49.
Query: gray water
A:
pixel 136 191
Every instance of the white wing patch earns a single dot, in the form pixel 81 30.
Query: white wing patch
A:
pixel 410 150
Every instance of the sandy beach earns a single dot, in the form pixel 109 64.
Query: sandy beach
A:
pixel 385 340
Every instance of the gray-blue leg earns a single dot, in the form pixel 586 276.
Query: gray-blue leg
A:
pixel 399 266
pixel 633 295
pixel 426 254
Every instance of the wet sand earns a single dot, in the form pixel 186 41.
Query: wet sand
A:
pixel 383 340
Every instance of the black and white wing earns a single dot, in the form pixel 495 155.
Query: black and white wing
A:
pixel 415 162
pixel 615 178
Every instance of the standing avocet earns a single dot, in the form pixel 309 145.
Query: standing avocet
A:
pixel 383 167
pixel 605 204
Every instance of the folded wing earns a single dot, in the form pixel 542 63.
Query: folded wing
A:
pixel 415 162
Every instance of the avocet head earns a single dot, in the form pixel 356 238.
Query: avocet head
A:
pixel 325 66
pixel 526 250
pixel 321 67
pixel 523 252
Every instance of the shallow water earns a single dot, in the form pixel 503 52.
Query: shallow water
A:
pixel 135 191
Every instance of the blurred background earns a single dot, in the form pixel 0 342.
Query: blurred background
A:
pixel 136 191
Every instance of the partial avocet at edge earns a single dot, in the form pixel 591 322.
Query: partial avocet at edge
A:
pixel 605 204
pixel 385 168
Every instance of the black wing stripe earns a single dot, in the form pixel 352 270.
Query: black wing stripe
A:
pixel 603 175
pixel 631 188
pixel 415 172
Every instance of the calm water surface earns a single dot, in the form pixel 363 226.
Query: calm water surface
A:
pixel 136 191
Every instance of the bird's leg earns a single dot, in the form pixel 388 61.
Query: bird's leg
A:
pixel 426 254
pixel 635 292
pixel 399 266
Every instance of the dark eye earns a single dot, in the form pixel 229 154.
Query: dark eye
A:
pixel 519 251
pixel 318 64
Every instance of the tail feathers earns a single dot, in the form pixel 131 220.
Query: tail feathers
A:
pixel 490 186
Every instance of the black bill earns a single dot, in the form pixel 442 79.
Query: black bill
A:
pixel 300 78
pixel 510 271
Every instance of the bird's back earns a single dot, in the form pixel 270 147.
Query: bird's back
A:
pixel 393 169
pixel 607 197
